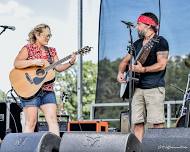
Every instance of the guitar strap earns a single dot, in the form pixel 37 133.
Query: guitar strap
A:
pixel 49 55
pixel 50 62
pixel 144 53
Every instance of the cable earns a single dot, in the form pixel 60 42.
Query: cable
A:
pixel 8 130
pixel 15 98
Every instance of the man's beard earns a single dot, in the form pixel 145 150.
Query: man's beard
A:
pixel 141 34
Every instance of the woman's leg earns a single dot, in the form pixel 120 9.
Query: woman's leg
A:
pixel 30 114
pixel 50 113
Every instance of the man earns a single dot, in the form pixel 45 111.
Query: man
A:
pixel 149 94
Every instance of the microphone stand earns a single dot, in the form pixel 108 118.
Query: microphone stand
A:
pixel 131 50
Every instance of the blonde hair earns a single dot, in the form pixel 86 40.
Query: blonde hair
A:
pixel 36 30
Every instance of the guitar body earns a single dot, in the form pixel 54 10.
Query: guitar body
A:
pixel 124 89
pixel 28 81
pixel 181 121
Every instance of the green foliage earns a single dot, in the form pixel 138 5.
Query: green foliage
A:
pixel 176 75
pixel 67 82
pixel 2 96
pixel 107 86
pixel 89 86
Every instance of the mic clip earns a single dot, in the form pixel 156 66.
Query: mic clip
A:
pixel 129 24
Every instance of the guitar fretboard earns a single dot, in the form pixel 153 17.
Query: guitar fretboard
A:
pixel 145 51
pixel 60 61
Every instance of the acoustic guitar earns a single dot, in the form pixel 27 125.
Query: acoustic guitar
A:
pixel 28 81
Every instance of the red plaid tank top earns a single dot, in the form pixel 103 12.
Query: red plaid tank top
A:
pixel 34 52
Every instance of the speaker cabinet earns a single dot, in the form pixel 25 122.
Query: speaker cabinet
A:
pixel 86 125
pixel 99 142
pixel 43 126
pixel 14 124
pixel 167 140
pixel 31 142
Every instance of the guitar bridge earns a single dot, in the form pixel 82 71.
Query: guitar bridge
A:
pixel 28 78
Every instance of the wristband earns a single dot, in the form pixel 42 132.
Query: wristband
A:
pixel 71 63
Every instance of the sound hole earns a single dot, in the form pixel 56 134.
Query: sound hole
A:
pixel 40 72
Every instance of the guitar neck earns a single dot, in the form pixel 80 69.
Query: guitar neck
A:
pixel 51 66
pixel 145 51
pixel 137 57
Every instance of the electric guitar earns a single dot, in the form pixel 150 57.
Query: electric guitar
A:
pixel 28 81
pixel 141 57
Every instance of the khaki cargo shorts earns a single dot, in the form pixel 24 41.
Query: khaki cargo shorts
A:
pixel 148 106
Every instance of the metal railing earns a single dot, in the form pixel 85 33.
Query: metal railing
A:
pixel 168 104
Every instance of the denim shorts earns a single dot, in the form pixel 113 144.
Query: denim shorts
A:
pixel 43 97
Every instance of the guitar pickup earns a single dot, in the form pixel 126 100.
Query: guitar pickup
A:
pixel 28 78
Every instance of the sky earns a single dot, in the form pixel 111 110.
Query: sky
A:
pixel 60 15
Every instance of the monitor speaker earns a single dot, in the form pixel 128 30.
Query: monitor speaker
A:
pixel 31 142
pixel 99 142
pixel 167 140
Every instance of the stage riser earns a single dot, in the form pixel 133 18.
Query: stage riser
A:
pixel 167 140
pixel 31 142
pixel 99 142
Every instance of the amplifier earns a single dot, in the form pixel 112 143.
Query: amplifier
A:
pixel 88 125
pixel 43 126
pixel 124 122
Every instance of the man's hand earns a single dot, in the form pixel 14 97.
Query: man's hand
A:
pixel 137 68
pixel 121 77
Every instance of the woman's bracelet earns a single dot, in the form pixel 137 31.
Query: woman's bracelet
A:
pixel 71 63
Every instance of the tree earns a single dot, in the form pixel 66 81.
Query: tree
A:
pixel 176 75
pixel 67 82
pixel 2 96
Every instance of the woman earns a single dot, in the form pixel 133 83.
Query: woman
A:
pixel 34 54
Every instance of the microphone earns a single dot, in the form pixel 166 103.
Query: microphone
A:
pixel 128 23
pixel 8 27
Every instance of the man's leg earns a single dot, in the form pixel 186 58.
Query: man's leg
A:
pixel 161 125
pixel 155 106
pixel 139 131
pixel 138 113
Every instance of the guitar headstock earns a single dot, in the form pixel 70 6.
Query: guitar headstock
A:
pixel 85 50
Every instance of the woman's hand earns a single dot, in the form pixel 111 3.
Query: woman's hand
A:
pixel 73 59
pixel 38 62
